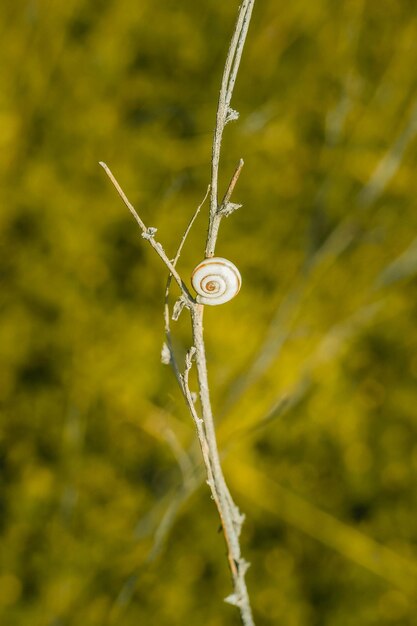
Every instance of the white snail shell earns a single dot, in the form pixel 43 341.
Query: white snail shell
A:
pixel 216 281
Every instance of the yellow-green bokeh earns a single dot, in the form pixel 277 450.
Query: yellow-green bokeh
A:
pixel 313 368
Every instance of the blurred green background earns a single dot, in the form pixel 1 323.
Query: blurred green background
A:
pixel 105 518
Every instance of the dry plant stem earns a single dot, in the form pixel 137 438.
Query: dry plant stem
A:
pixel 229 513
pixel 223 210
pixel 230 516
pixel 167 315
pixel 148 234
pixel 232 185
pixel 226 114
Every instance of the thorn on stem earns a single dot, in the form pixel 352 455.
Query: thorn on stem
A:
pixel 232 599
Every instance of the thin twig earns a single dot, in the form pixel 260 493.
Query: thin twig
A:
pixel 224 113
pixel 167 315
pixel 225 209
pixel 232 184
pixel 148 233
pixel 200 427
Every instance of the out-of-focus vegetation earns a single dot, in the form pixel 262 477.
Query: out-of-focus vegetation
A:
pixel 313 367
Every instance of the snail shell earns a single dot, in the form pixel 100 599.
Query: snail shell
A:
pixel 216 281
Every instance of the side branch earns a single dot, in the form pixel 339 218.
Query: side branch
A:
pixel 148 233
pixel 232 184
pixel 225 209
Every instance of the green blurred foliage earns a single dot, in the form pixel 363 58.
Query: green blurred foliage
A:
pixel 105 518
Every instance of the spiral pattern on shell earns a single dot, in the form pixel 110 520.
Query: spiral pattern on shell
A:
pixel 216 281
